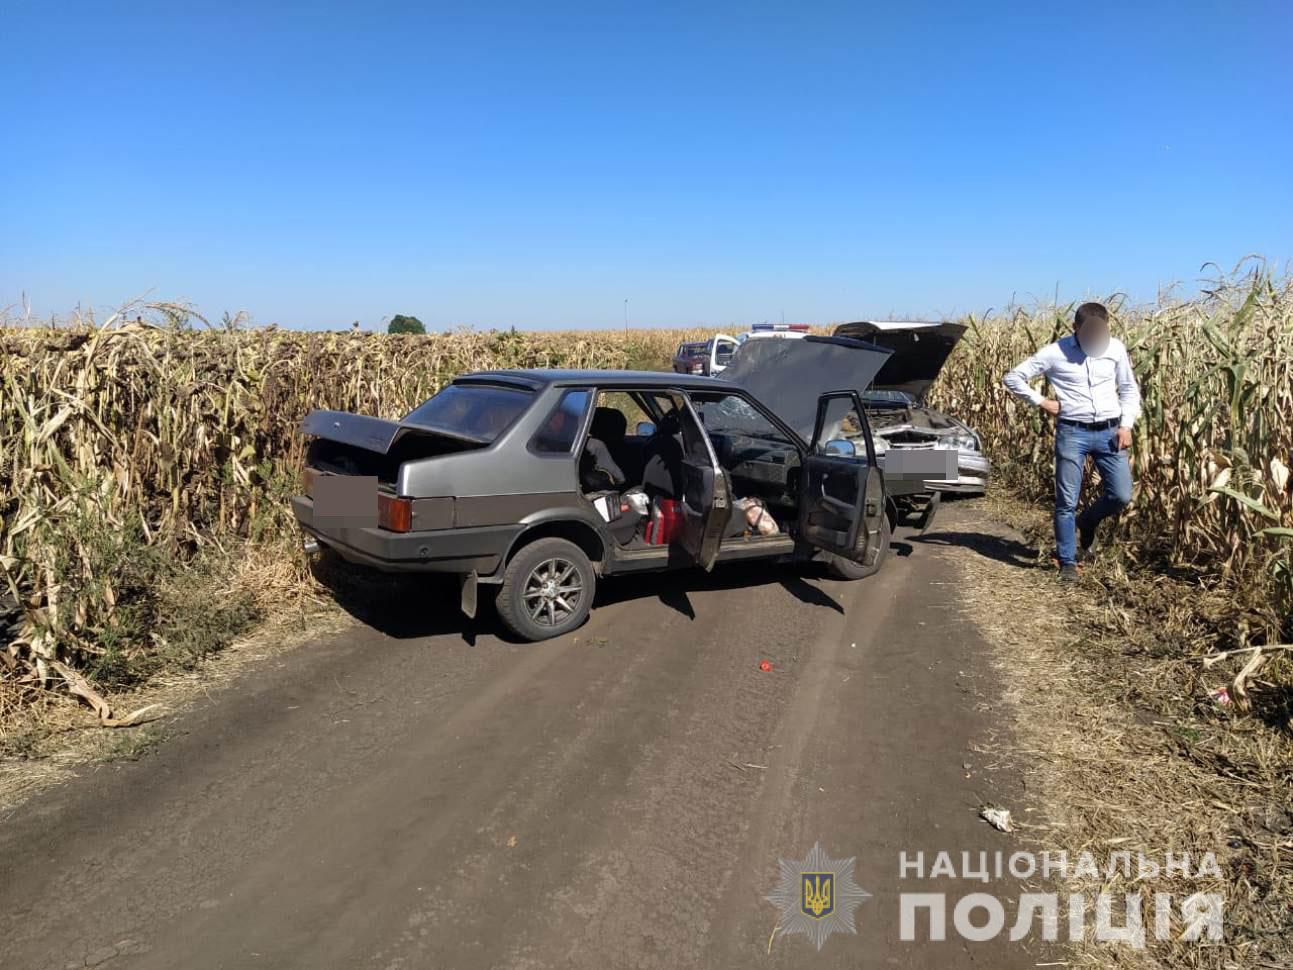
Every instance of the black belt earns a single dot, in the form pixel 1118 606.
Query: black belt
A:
pixel 1091 425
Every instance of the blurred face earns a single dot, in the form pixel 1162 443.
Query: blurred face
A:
pixel 1093 337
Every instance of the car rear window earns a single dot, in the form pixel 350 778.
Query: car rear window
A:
pixel 480 412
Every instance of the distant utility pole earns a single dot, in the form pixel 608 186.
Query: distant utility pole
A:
pixel 626 316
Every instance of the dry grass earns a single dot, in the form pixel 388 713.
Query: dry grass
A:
pixel 48 736
pixel 1124 748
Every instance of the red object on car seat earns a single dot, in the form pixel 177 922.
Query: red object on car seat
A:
pixel 666 518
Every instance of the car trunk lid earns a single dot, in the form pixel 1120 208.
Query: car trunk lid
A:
pixel 356 444
pixel 355 430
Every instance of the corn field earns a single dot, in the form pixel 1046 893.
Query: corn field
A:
pixel 1212 450
pixel 153 435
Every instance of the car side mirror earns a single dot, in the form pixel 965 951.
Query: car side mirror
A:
pixel 645 429
pixel 840 447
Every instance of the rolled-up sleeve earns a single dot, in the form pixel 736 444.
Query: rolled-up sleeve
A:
pixel 1017 378
pixel 1128 390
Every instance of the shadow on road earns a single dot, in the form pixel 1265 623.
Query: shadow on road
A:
pixel 425 605
pixel 407 607
pixel 1010 551
pixel 809 594
pixel 672 588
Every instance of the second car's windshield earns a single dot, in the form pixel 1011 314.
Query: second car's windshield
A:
pixel 889 399
pixel 476 411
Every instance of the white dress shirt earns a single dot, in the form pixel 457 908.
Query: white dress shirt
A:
pixel 1088 388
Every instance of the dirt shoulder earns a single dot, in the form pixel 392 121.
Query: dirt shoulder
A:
pixel 1129 741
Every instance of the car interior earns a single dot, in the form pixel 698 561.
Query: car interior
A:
pixel 760 460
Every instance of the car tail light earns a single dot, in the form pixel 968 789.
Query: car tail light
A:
pixel 394 514
pixel 308 475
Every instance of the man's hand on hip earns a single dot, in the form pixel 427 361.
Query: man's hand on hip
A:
pixel 1124 439
pixel 1050 406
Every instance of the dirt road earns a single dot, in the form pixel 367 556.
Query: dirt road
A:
pixel 408 796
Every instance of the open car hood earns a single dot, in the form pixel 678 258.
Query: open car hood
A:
pixel 919 351
pixel 790 375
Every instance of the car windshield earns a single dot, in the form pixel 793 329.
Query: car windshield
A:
pixel 693 350
pixel 727 414
pixel 889 399
pixel 478 412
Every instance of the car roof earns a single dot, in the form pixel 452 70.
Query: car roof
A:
pixel 538 378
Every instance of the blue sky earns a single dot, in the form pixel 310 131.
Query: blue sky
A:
pixel 537 164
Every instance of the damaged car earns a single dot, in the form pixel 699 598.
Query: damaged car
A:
pixel 900 419
pixel 539 484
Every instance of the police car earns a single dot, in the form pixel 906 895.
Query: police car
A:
pixel 722 347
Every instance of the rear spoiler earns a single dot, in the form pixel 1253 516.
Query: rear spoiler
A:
pixel 371 434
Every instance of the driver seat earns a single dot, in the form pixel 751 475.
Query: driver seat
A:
pixel 662 456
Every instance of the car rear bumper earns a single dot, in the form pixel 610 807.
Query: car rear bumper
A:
pixel 480 549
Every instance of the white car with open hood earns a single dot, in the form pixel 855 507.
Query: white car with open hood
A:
pixel 895 402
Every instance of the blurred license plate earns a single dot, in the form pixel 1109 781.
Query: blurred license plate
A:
pixel 345 500
pixel 938 464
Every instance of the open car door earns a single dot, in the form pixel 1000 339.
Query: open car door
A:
pixel 706 496
pixel 841 507
pixel 721 349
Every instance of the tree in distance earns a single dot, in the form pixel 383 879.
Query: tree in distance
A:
pixel 405 324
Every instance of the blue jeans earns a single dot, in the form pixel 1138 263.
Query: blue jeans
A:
pixel 1072 445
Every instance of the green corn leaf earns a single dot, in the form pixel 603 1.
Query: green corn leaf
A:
pixel 1243 499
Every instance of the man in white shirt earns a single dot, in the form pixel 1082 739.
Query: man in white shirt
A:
pixel 1096 404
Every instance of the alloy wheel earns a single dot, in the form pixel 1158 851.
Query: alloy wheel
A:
pixel 552 591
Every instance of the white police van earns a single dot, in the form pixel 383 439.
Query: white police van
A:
pixel 722 347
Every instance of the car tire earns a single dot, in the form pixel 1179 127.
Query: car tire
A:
pixel 842 568
pixel 535 599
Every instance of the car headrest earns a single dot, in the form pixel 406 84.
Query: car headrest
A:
pixel 608 424
pixel 669 424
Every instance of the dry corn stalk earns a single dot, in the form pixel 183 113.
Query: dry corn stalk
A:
pixel 173 438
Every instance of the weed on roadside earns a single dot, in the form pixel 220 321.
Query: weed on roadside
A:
pixel 1131 739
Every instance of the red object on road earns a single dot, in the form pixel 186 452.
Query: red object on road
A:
pixel 765 665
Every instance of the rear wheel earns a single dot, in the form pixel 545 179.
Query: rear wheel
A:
pixel 842 568
pixel 547 589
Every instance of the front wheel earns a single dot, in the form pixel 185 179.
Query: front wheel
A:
pixel 842 568
pixel 547 590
